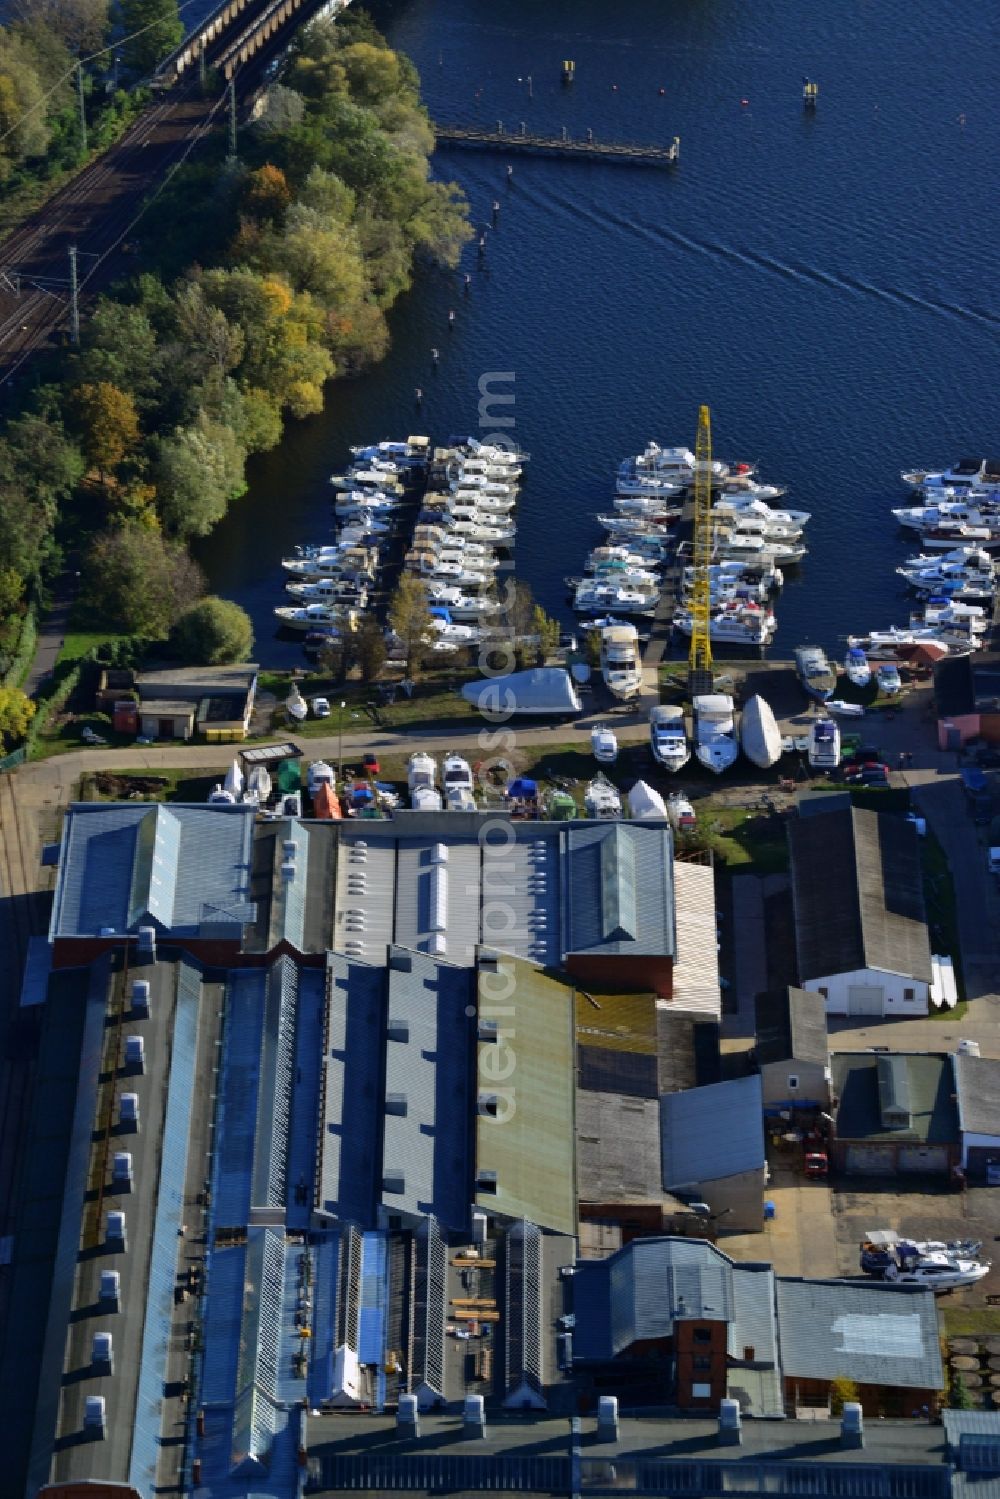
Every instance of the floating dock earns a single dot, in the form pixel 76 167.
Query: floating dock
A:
pixel 528 143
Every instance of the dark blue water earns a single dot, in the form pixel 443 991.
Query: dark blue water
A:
pixel 827 284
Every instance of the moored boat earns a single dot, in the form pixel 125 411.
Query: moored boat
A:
pixel 715 743
pixel 601 800
pixel 668 739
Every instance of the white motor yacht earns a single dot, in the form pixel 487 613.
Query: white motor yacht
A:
pixel 460 574
pixel 760 736
pixel 758 552
pixel 603 744
pixel 941 612
pixel 459 787
pixel 815 673
pixel 715 743
pixel 594 598
pixel 319 774
pixel 962 475
pixel 421 775
pixel 737 623
pixel 824 745
pixel 315 616
pixel 628 528
pixel 941 1272
pixel 464 608
pixel 859 673
pixel 735 506
pixel 668 741
pixel 620 665
pixel 330 590
pixel 220 797
pixel 681 813
pixel 601 800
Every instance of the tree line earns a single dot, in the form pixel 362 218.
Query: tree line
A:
pixel 262 281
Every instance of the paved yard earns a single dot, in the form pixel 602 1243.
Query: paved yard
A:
pixel 801 1237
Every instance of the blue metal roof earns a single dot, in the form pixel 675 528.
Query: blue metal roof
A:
pixel 350 1145
pixel 712 1132
pixel 238 1087
pixel 185 867
pixel 619 889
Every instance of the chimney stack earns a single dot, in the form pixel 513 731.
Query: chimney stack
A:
pixel 407 1421
pixel 473 1420
pixel 852 1427
pixel 607 1418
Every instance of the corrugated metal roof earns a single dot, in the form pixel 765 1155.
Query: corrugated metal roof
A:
pixel 238 1088
pixel 618 879
pixel 521 895
pixel 654 1283
pixel 186 866
pixel 977 1080
pixel 791 1027
pixel 753 1336
pixel 223 1315
pixel 711 1133
pixel 530 1070
pixel 860 1330
pixel 696 965
pixel 878 920
pixel 426 1134
pixel 352 1090
pixel 437 897
pixel 364 918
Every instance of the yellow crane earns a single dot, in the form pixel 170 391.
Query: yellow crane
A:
pixel 700 657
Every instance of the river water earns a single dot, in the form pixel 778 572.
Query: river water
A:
pixel 827 283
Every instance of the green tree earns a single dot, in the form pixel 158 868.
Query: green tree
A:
pixel 137 582
pixel 410 621
pixel 81 25
pixel 11 591
pixel 39 468
pixel 546 631
pixel 213 632
pixel 120 349
pixel 959 1398
pixel 197 471
pixel 16 713
pixel 371 649
pixel 24 128
pixel 108 424
pixel 842 1392
pixel 153 28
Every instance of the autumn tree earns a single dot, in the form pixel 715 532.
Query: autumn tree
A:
pixel 16 712
pixel 108 424
pixel 81 25
pixel 138 582
pixel 266 195
pixel 410 621
pixel 213 632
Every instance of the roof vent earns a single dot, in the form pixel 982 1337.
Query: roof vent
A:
pixel 894 1092
pixel 398 1029
pixel 437 945
pixel 400 960
pixel 439 853
pixel 486 1181
pixel 395 1103
pixel 147 940
pixel 288 869
pixel 489 1030
pixel 289 848
pixel 393 1180
pixel 140 995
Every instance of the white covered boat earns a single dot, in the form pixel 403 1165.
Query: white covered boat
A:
pixel 296 705
pixel 601 800
pixel 715 744
pixel 668 739
pixel 824 745
pixel 541 692
pixel 319 774
pixel 258 787
pixel 844 709
pixel 646 804
pixel 421 775
pixel 760 736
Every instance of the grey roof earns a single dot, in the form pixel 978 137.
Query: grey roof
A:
pixel 643 1289
pixel 617 1147
pixel 426 1138
pixel 858 895
pixel 168 707
pixel 791 1027
pixel 191 683
pixel 619 881
pixel 710 1133
pixel 860 1330
pixel 977 1080
pixel 696 960
pixel 920 1081
pixel 185 867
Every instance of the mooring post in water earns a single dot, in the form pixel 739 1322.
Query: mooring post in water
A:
pixel 568 71
pixel 810 93
pixel 510 174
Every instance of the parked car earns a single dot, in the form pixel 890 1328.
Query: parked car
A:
pixel 321 707
pixel 816 1164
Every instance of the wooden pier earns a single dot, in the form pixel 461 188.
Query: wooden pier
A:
pixel 473 138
